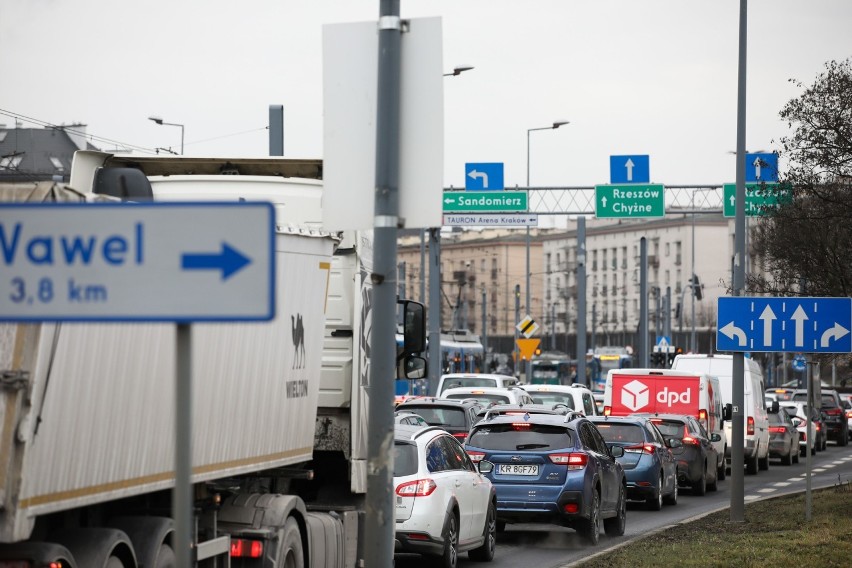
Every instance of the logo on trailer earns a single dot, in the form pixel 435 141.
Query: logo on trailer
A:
pixel 634 395
pixel 670 398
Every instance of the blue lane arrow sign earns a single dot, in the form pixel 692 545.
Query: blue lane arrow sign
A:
pixel 629 169
pixel 228 261
pixel 483 176
pixel 801 325
pixel 761 167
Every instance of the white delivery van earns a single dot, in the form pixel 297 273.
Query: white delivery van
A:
pixel 755 418
pixel 663 391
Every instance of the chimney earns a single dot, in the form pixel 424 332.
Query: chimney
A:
pixel 77 134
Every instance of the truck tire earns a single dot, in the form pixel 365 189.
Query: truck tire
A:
pixel 292 553
pixel 151 538
pixel 763 463
pixel 98 547
pixel 751 465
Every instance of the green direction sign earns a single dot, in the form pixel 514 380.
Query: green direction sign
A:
pixel 629 200
pixel 759 197
pixel 495 201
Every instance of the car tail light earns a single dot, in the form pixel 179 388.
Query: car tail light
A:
pixel 417 536
pixel 750 426
pixel 571 508
pixel 607 410
pixel 573 460
pixel 702 414
pixel 777 429
pixel 476 457
pixel 690 440
pixel 640 448
pixel 818 427
pixel 521 426
pixel 849 414
pixel 417 488
pixel 462 436
pixel 244 548
pixel 804 437
pixel 834 412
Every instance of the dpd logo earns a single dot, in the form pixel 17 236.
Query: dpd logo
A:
pixel 634 395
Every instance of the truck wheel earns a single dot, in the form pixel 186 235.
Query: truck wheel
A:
pixel 763 463
pixel 751 465
pixel 485 553
pixel 292 554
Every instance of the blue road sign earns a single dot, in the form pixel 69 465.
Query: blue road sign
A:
pixel 483 176
pixel 799 363
pixel 166 261
pixel 629 169
pixel 761 167
pixel 802 325
pixel 664 340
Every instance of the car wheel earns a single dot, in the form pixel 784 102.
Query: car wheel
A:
pixel 721 470
pixel 591 529
pixel 450 557
pixel 714 485
pixel 751 465
pixel 615 526
pixel 485 553
pixel 763 463
pixel 700 487
pixel 655 502
pixel 843 440
pixel 796 456
pixel 788 459
pixel 671 498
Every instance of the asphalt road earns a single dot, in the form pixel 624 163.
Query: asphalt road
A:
pixel 550 546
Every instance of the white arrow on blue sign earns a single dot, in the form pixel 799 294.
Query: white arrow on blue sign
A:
pixel 483 176
pixel 168 261
pixel 629 169
pixel 761 167
pixel 802 325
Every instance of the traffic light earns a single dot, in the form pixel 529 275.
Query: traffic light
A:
pixel 697 288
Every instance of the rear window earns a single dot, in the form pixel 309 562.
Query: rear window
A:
pixel 631 433
pixel 465 382
pixel 481 397
pixel 827 399
pixel 551 398
pixel 437 416
pixel 670 428
pixel 523 436
pixel 405 459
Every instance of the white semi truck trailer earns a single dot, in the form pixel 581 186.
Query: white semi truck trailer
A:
pixel 279 425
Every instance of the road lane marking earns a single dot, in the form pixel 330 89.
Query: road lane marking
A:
pixel 751 497
pixel 818 470
pixel 767 490
pixel 782 484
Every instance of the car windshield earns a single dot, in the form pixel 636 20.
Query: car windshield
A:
pixel 405 459
pixel 521 436
pixel 629 433
pixel 437 416
pixel 481 397
pixel 551 398
pixel 670 428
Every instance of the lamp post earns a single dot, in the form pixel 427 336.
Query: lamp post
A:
pixel 555 125
pixel 160 121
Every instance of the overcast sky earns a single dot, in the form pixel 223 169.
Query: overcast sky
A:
pixel 656 77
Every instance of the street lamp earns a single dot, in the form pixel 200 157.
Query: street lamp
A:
pixel 458 70
pixel 555 125
pixel 159 121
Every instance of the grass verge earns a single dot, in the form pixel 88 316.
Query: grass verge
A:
pixel 774 534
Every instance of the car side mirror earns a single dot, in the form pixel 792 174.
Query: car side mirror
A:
pixel 715 437
pixel 616 451
pixel 728 411
pixel 674 443
pixel 485 466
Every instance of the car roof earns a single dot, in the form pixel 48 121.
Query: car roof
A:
pixel 680 417
pixel 434 401
pixel 626 419
pixel 555 388
pixel 410 432
pixel 557 409
pixel 483 390
pixel 551 419
pixel 477 376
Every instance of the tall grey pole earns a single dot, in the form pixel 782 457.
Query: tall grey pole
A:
pixel 484 334
pixel 182 502
pixel 423 234
pixel 643 303
pixel 692 346
pixel 379 530
pixel 517 319
pixel 581 301
pixel 667 313
pixel 435 310
pixel 738 379
pixel 553 327
pixel 400 285
pixel 594 335
pixel 809 377
pixel 276 130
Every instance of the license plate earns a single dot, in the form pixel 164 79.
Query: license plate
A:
pixel 512 469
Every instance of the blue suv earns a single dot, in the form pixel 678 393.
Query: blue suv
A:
pixel 552 469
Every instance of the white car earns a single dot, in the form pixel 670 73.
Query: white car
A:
pixel 576 397
pixel 489 395
pixel 444 503
pixel 796 410
pixel 455 380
